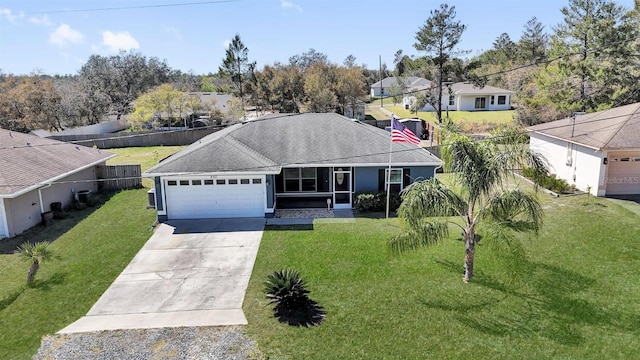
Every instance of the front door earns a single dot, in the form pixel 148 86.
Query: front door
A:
pixel 342 188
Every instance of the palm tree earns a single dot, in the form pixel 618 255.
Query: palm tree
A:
pixel 480 171
pixel 36 254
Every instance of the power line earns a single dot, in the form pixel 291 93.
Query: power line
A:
pixel 133 7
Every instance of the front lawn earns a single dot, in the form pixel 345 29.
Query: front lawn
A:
pixel 88 258
pixel 145 156
pixel 575 296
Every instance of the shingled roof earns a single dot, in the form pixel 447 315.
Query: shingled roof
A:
pixel 613 129
pixel 267 144
pixel 28 161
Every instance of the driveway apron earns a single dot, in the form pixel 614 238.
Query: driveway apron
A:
pixel 189 273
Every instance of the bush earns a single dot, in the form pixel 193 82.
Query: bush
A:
pixel 547 181
pixel 369 201
pixel 285 289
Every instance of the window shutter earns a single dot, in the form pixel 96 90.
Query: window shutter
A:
pixel 406 177
pixel 381 180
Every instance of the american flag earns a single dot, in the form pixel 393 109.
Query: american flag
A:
pixel 399 133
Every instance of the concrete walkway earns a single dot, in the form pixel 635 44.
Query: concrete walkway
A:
pixel 189 273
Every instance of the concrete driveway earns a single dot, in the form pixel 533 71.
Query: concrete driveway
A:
pixel 189 273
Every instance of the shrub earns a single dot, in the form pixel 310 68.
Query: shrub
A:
pixel 369 201
pixel 546 180
pixel 285 289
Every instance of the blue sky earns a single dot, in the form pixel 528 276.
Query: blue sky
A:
pixel 50 36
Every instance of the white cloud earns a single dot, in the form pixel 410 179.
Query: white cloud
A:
pixel 42 20
pixel 8 14
pixel 289 5
pixel 119 41
pixel 64 35
pixel 226 43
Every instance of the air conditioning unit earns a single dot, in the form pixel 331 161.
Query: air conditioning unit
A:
pixel 151 198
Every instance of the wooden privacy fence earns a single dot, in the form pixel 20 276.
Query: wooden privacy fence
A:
pixel 120 177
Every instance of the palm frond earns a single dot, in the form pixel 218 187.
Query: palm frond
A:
pixel 428 233
pixel 429 198
pixel 502 242
pixel 38 252
pixel 515 209
pixel 474 169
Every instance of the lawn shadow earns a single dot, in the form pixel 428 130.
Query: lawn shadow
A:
pixel 55 229
pixel 46 285
pixel 307 314
pixel 291 227
pixel 546 302
pixel 7 301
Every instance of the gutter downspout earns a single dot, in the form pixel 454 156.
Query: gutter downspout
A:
pixel 40 197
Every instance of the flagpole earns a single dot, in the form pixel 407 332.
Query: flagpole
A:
pixel 388 177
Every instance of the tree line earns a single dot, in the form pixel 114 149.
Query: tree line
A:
pixel 588 62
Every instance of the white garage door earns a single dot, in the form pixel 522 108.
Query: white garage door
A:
pixel 199 198
pixel 3 220
pixel 623 175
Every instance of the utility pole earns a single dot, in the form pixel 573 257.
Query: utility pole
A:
pixel 380 75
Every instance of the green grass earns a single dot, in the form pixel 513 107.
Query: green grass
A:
pixel 145 156
pixel 88 258
pixel 575 296
pixel 469 121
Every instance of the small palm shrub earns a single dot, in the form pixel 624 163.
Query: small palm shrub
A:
pixel 285 289
pixel 35 254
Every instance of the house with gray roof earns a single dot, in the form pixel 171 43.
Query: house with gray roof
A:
pixel 35 172
pixel 598 152
pixel 384 86
pixel 464 96
pixel 252 168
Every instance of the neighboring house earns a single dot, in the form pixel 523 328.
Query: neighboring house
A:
pixel 465 96
pixel 252 168
pixel 383 87
pixel 221 100
pixel 35 172
pixel 598 151
pixel 355 111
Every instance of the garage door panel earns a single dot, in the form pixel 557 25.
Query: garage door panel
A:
pixel 623 175
pixel 215 201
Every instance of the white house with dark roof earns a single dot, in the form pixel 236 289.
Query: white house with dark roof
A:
pixel 383 87
pixel 252 168
pixel 463 96
pixel 599 151
pixel 35 172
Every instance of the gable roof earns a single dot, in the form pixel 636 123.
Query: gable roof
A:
pixel 275 141
pixel 409 81
pixel 465 88
pixel 617 128
pixel 28 161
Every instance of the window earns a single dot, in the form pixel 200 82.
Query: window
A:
pixel 481 103
pixel 492 99
pixel 196 182
pixel 221 182
pixel 624 159
pixel 208 182
pixel 257 181
pixel 184 182
pixel 172 183
pixel 300 179
pixel 244 181
pixel 395 181
pixel 502 99
pixel 636 159
pixel 452 100
pixel 233 181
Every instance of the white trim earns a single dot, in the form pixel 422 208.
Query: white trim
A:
pixel 567 140
pixel 52 180
pixel 385 164
pixel 3 219
pixel 201 174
